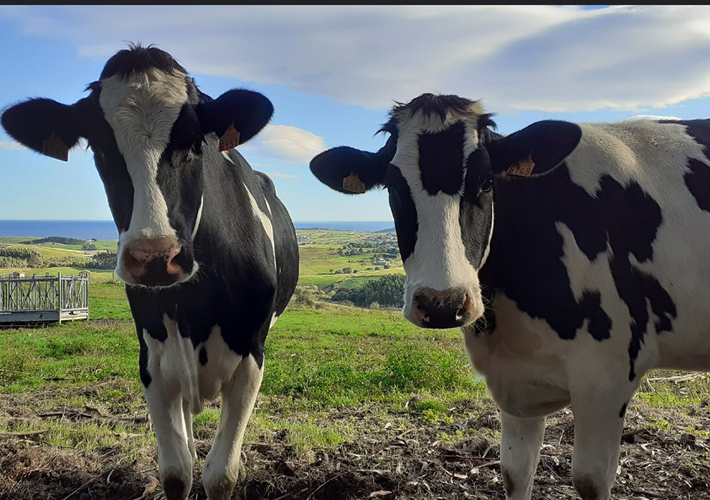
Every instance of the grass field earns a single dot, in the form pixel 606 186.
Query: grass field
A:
pixel 354 402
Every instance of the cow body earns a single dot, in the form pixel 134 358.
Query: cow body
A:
pixel 569 283
pixel 207 250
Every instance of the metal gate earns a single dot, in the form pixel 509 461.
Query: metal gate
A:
pixel 44 298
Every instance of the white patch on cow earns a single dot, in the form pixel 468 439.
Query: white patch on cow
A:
pixel 228 157
pixel 265 221
pixel 487 251
pixel 439 259
pixel 141 112
pixel 644 151
pixel 238 398
pixel 175 359
pixel 274 317
pixel 198 218
pixel 220 367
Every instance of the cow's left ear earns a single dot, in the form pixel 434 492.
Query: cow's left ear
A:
pixel 236 116
pixel 534 150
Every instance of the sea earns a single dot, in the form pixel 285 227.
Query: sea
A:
pixel 106 229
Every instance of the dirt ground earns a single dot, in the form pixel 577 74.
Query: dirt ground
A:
pixel 381 463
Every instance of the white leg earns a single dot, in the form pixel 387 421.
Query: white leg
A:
pixel 598 424
pixel 174 458
pixel 238 397
pixel 521 439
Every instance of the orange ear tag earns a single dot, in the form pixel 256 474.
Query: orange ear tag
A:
pixel 353 183
pixel 53 147
pixel 230 139
pixel 524 168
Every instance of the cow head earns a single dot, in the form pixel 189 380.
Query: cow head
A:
pixel 441 165
pixel 152 133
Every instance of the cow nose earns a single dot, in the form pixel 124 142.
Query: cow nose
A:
pixel 153 263
pixel 442 309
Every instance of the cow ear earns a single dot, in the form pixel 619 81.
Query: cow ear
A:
pixel 352 171
pixel 44 125
pixel 536 149
pixel 236 116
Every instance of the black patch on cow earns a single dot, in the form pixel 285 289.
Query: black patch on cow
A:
pixel 137 59
pixel 698 179
pixel 203 356
pixel 622 412
pixel 404 211
pixel 527 252
pixel 145 376
pixel 476 208
pixel 698 182
pixel 441 160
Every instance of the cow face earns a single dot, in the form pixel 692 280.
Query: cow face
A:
pixel 441 165
pixel 152 133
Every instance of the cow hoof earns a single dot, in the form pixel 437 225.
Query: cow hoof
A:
pixel 175 488
pixel 221 489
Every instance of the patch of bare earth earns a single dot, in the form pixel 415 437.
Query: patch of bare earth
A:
pixel 394 454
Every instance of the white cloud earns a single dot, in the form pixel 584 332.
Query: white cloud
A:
pixel 287 143
pixel 513 57
pixel 280 175
pixel 12 146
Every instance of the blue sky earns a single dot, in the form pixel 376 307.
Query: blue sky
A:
pixel 333 73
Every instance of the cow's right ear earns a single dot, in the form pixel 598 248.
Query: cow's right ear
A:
pixel 352 171
pixel 44 125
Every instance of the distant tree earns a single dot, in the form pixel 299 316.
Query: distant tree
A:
pixel 89 246
pixel 387 291
pixel 103 260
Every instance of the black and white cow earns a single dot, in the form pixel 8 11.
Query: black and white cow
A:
pixel 207 250
pixel 575 257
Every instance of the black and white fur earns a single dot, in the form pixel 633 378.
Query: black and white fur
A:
pixel 569 284
pixel 207 250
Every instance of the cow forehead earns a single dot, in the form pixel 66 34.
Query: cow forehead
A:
pixel 148 102
pixel 431 124
pixel 432 150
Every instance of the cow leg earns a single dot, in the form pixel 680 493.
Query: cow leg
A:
pixel 521 439
pixel 174 457
pixel 238 398
pixel 187 415
pixel 598 425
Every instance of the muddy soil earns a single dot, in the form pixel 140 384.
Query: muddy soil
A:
pixel 396 455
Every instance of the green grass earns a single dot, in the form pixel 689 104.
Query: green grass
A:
pixel 318 359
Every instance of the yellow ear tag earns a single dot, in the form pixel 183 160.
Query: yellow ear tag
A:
pixel 53 147
pixel 353 183
pixel 524 168
pixel 230 139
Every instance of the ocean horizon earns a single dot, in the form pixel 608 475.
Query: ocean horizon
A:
pixel 106 229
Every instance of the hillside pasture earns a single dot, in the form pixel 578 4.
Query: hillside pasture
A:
pixel 355 404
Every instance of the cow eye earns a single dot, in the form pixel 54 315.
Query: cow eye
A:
pixel 197 148
pixel 487 185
